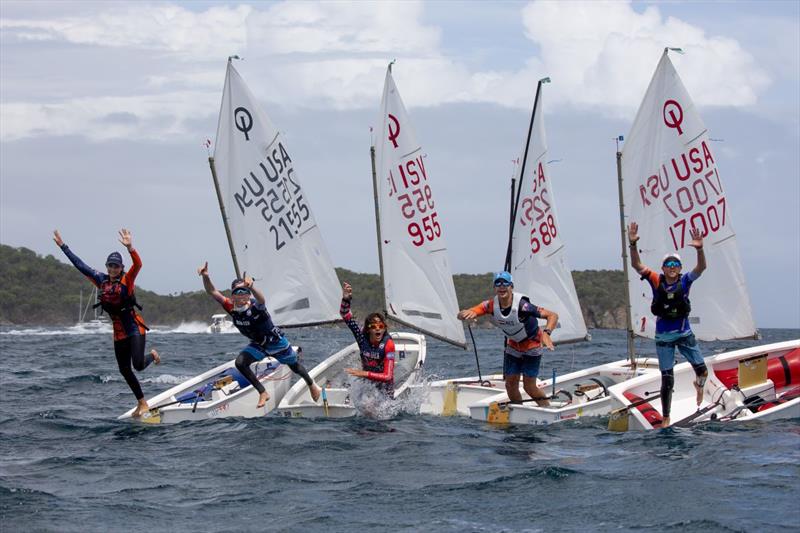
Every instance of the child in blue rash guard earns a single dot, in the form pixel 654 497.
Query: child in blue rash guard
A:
pixel 671 307
pixel 377 347
pixel 247 308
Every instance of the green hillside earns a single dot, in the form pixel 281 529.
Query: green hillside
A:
pixel 36 290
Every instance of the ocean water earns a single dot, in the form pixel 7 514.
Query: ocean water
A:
pixel 67 464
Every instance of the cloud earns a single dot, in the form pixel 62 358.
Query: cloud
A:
pixel 601 55
pixel 164 27
pixel 327 55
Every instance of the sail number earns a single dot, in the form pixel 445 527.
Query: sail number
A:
pixel 416 201
pixel 275 194
pixel 690 190
pixel 537 212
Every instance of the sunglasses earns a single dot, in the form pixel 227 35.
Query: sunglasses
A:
pixel 672 264
pixel 376 325
pixel 502 283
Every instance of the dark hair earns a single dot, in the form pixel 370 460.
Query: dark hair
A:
pixel 371 318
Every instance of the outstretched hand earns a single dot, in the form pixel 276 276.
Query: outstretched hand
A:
pixel 347 291
pixel 203 270
pixel 697 238
pixel 466 314
pixel 356 372
pixel 125 238
pixel 57 238
pixel 633 232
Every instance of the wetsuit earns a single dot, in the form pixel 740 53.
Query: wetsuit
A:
pixel 116 297
pixel 378 360
pixel 256 324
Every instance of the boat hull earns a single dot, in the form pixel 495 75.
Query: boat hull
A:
pixel 410 349
pixel 729 395
pixel 586 395
pixel 218 393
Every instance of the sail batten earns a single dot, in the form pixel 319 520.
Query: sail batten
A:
pixel 671 183
pixel 273 235
pixel 415 267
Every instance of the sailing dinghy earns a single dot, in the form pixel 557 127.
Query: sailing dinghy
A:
pixel 414 266
pixel 537 260
pixel 670 183
pixel 273 237
pixel 757 383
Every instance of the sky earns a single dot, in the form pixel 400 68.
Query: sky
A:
pixel 104 108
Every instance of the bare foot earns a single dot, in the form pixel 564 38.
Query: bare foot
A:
pixel 699 391
pixel 262 399
pixel 141 408
pixel 156 357
pixel 315 391
pixel 665 422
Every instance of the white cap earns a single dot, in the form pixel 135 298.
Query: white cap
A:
pixel 672 256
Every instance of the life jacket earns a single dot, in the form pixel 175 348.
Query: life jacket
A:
pixel 373 358
pixel 256 324
pixel 670 304
pixel 511 325
pixel 114 300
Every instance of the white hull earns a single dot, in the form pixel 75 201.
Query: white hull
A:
pixel 587 396
pixel 410 351
pixel 723 399
pixel 452 397
pixel 220 399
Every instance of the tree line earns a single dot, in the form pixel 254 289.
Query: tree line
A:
pixel 42 290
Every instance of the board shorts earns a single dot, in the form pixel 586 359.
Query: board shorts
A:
pixel 281 351
pixel 527 365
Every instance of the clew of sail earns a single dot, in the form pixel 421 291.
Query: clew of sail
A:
pixel 274 237
pixel 418 282
pixel 538 254
pixel 671 184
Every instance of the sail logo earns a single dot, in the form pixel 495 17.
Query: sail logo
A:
pixel 243 121
pixel 673 115
pixel 394 134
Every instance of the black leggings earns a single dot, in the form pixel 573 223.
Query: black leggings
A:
pixel 131 350
pixel 244 360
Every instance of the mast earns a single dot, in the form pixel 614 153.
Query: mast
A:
pixel 224 215
pixel 377 220
pixel 628 319
pixel 522 173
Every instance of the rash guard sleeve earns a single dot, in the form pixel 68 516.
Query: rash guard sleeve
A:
pixel 93 275
pixel 347 316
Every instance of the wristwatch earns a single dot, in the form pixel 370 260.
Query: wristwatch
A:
pixel 548 331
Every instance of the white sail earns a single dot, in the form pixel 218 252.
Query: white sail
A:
pixel 275 237
pixel 671 183
pixel 538 257
pixel 418 282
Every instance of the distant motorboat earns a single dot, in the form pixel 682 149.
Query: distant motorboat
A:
pixel 221 323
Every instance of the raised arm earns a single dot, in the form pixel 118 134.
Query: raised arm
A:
pixel 208 285
pixel 250 284
pixel 126 240
pixel 697 244
pixel 347 315
pixel 633 238
pixel 93 275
